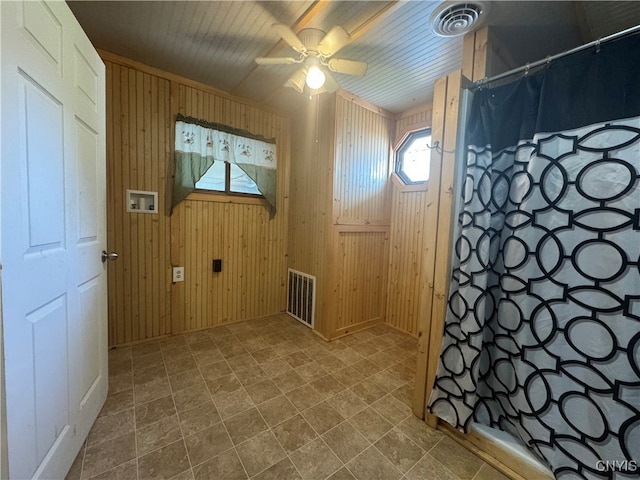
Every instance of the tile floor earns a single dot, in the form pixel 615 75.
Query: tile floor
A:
pixel 268 399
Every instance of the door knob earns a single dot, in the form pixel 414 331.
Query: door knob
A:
pixel 109 256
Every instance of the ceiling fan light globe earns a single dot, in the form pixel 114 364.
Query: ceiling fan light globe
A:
pixel 315 78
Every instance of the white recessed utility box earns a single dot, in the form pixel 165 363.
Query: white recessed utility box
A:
pixel 142 202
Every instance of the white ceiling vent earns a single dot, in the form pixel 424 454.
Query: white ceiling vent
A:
pixel 457 18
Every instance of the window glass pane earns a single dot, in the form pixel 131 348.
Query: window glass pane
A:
pixel 241 183
pixel 214 178
pixel 415 159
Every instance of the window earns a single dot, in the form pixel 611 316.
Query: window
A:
pixel 227 178
pixel 413 157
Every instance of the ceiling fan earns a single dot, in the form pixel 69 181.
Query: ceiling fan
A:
pixel 315 55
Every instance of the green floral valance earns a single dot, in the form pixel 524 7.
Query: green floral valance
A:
pixel 199 143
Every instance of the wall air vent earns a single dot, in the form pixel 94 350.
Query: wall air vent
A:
pixel 457 18
pixel 301 297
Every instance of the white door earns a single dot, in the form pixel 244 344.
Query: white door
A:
pixel 52 234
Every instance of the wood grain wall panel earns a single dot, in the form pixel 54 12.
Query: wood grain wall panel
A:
pixel 253 248
pixel 415 119
pixel 407 240
pixel 362 146
pixel 361 279
pixel 138 110
pixel 311 195
pixel 143 301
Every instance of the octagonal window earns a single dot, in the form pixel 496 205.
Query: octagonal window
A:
pixel 413 157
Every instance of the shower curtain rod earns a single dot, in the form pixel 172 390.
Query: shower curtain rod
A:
pixel 528 66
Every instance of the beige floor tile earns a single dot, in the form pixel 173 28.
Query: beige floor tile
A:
pixel 207 444
pixel 288 381
pixel 187 379
pixel 346 403
pixel 179 365
pixel 106 455
pixel 151 412
pixel 315 460
pixel 418 431
pixel 251 375
pixel 348 376
pixel 199 418
pixel 260 452
pixel 428 468
pixel 166 462
pixel 283 470
pixel 368 391
pixel 400 450
pixel 108 427
pixel 372 465
pixel 126 471
pixel 275 367
pixel 487 472
pixel 370 424
pixel 277 410
pixel 226 466
pixel 456 458
pixel 245 425
pixel 237 373
pixel 342 474
pixel 224 385
pixel 173 354
pixel 262 391
pixel 297 359
pixel 322 417
pixel 311 371
pixel 345 441
pixel 146 361
pixel 303 397
pixel 327 386
pixel 120 382
pixel 144 349
pixel 233 403
pixel 264 355
pixel 149 373
pixel 392 409
pixel 151 390
pixel 191 397
pixel 294 433
pixel 211 371
pixel 241 362
pixel 158 434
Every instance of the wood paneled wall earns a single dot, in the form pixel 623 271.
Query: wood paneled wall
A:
pixel 358 257
pixel 138 150
pixel 361 181
pixel 143 302
pixel 252 247
pixel 311 186
pixel 408 236
pixel 340 209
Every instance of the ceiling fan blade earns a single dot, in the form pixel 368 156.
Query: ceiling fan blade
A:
pixel 290 37
pixel 276 60
pixel 350 67
pixel 330 84
pixel 297 80
pixel 333 41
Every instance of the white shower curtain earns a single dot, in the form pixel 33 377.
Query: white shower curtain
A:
pixel 542 334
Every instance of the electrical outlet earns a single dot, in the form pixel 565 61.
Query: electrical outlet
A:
pixel 178 274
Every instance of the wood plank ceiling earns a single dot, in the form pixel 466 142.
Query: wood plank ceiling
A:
pixel 216 42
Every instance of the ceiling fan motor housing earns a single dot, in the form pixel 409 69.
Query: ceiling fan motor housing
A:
pixel 311 37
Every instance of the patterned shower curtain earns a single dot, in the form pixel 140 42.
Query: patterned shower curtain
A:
pixel 542 333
